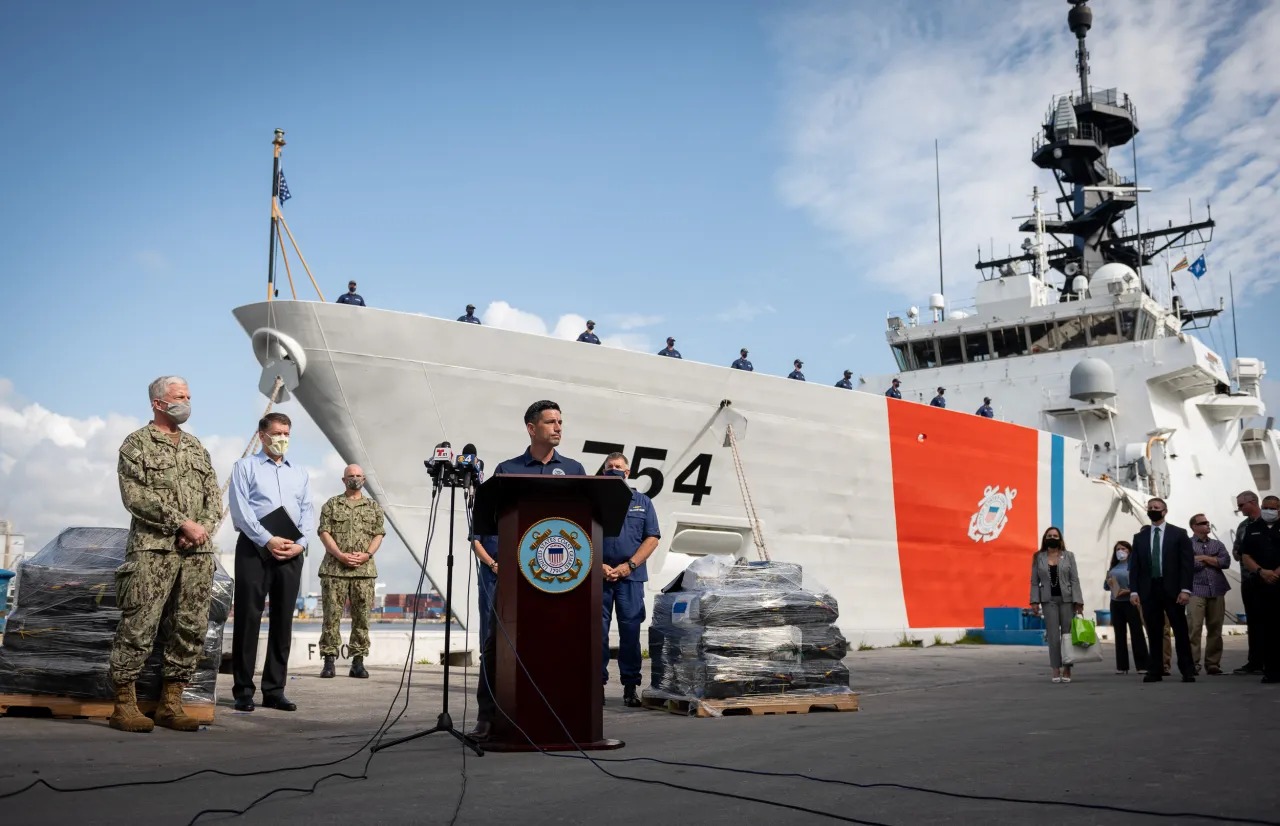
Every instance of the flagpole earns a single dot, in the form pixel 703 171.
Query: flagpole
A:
pixel 1235 336
pixel 278 143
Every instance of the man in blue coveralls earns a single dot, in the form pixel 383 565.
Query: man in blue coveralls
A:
pixel 939 400
pixel 796 374
pixel 589 335
pixel 351 296
pixel 544 424
pixel 893 392
pixel 670 350
pixel 844 382
pixel 470 316
pixel 985 411
pixel 741 362
pixel 624 577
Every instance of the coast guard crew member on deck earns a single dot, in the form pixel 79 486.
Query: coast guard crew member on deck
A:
pixel 470 317
pixel 741 362
pixel 939 400
pixel 796 374
pixel 844 382
pixel 588 336
pixel 544 423
pixel 624 577
pixel 893 392
pixel 670 351
pixel 351 296
pixel 985 411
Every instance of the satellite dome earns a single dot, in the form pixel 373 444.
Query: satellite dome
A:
pixel 1113 279
pixel 1092 380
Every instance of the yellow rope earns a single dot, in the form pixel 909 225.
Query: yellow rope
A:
pixel 757 534
pixel 280 215
pixel 285 256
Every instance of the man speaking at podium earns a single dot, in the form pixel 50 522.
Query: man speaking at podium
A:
pixel 544 423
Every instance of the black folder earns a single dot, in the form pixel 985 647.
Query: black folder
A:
pixel 279 523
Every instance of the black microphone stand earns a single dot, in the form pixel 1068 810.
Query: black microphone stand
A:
pixel 444 723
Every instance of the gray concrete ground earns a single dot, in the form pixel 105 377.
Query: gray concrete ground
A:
pixel 982 720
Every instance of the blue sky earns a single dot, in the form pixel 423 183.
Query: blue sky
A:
pixel 731 173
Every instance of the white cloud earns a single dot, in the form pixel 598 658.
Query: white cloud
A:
pixel 869 87
pixel 744 311
pixel 633 321
pixel 502 315
pixel 568 326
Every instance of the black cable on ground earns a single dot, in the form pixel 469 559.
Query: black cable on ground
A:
pixel 466 697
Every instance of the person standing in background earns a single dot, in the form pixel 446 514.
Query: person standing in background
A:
pixel 1209 588
pixel 351 530
pixel 1160 574
pixel 351 296
pixel 1056 594
pixel 1250 585
pixel 1125 618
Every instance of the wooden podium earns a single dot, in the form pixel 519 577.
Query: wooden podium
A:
pixel 551 532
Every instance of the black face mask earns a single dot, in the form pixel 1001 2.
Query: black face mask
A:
pixel 1155 516
pixel 1053 543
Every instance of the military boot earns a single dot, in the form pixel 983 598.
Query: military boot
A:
pixel 126 716
pixel 328 670
pixel 357 668
pixel 169 712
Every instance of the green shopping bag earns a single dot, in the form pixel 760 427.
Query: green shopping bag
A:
pixel 1083 632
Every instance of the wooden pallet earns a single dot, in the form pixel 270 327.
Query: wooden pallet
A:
pixel 63 707
pixel 758 704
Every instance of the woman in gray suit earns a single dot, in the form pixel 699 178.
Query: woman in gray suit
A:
pixel 1055 592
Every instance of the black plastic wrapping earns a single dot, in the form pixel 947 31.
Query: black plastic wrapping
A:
pixel 58 637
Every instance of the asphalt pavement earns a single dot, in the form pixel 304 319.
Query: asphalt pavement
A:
pixel 947 732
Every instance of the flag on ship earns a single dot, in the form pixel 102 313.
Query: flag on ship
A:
pixel 1181 265
pixel 1199 267
pixel 282 188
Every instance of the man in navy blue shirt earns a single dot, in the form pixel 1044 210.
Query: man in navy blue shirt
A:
pixel 670 351
pixel 893 392
pixel 741 363
pixel 844 382
pixel 625 574
pixel 985 411
pixel 545 425
pixel 939 400
pixel 588 336
pixel 470 317
pixel 796 374
pixel 351 296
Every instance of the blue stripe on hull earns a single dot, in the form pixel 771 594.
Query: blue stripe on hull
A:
pixel 1057 451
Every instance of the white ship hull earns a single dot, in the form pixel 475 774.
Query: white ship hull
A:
pixel 873 497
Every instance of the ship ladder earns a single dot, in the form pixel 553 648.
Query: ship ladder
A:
pixel 757 535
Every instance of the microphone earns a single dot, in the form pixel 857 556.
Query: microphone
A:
pixel 442 455
pixel 472 466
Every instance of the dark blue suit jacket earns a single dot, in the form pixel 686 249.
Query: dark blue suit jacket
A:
pixel 1177 561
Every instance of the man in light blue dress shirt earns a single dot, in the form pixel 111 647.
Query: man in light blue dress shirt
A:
pixel 267 564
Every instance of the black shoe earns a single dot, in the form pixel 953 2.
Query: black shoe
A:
pixel 280 703
pixel 629 698
pixel 357 668
pixel 328 670
pixel 245 705
pixel 1152 678
pixel 1247 668
pixel 1187 678
pixel 1270 680
pixel 481 732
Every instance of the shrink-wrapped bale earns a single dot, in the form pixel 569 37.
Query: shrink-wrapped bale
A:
pixel 59 635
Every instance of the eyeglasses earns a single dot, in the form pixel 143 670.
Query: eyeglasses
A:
pixel 1199 524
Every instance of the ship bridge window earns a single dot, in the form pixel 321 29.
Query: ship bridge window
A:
pixel 1044 337
pixel 976 347
pixel 1008 342
pixel 949 351
pixel 900 356
pixel 1128 325
pixel 923 355
pixel 1104 330
pixel 1072 333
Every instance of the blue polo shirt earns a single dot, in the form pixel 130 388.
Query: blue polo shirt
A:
pixel 893 393
pixel 489 542
pixel 742 364
pixel 670 352
pixel 796 374
pixel 589 338
pixel 938 401
pixel 470 319
pixel 845 383
pixel 986 412
pixel 640 524
pixel 350 298
pixel 557 465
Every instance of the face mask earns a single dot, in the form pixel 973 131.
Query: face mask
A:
pixel 1053 542
pixel 355 484
pixel 277 445
pixel 1121 556
pixel 179 411
pixel 621 474
pixel 1155 516
pixel 1270 514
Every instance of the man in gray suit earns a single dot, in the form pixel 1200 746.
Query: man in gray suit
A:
pixel 1160 574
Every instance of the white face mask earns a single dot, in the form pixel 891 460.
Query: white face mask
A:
pixel 1270 514
pixel 277 445
pixel 1121 556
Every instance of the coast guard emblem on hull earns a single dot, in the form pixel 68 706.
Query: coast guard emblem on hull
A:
pixel 992 515
pixel 555 555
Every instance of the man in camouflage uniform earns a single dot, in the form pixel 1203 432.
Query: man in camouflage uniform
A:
pixel 351 528
pixel 168 486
